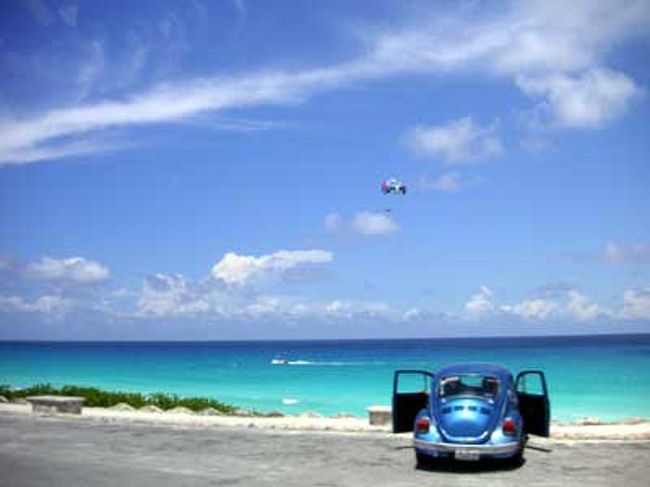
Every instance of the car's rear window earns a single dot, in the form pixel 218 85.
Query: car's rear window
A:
pixel 468 385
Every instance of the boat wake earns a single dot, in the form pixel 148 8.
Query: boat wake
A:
pixel 318 363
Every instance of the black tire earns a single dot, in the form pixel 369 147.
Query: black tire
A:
pixel 518 458
pixel 424 461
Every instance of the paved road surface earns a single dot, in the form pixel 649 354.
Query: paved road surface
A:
pixel 47 451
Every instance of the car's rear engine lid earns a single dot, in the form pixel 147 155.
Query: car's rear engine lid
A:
pixel 465 419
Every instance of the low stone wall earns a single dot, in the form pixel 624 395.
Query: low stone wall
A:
pixel 56 404
pixel 380 415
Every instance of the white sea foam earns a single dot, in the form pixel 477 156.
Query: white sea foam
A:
pixel 287 401
pixel 332 363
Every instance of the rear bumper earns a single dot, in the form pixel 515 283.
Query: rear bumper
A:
pixel 503 450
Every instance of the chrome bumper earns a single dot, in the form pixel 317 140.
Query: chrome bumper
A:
pixel 502 449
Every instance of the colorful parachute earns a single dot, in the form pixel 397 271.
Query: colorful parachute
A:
pixel 393 186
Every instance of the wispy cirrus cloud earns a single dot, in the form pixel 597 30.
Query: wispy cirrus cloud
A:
pixel 449 182
pixel 366 223
pixel 459 141
pixel 627 253
pixel 59 133
pixel 69 12
pixel 552 50
pixel 369 223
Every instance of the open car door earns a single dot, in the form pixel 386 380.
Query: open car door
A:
pixel 534 405
pixel 410 395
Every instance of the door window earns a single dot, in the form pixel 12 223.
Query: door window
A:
pixel 413 382
pixel 531 383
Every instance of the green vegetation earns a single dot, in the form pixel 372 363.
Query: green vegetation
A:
pixel 98 398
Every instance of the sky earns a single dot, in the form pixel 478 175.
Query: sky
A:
pixel 195 170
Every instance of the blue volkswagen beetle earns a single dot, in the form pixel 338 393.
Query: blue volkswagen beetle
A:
pixel 470 411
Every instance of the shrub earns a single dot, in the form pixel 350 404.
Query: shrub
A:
pixel 98 398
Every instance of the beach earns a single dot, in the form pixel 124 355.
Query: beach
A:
pixel 103 447
pixel 587 429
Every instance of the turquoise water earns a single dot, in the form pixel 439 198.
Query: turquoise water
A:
pixel 603 376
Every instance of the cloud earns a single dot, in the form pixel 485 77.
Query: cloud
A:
pixel 457 142
pixel 368 223
pixel 364 223
pixel 480 304
pixel 555 50
pixel 351 309
pixel 169 295
pixel 532 309
pixel 587 100
pixel 76 270
pixel 92 69
pixel 21 139
pixel 68 13
pixel 39 11
pixel 52 306
pixel 636 304
pixel 234 269
pixel 568 304
pixel 411 314
pixel 448 183
pixel 166 295
pixel 629 253
pixel 582 308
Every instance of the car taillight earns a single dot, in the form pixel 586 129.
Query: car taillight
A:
pixel 509 426
pixel 422 425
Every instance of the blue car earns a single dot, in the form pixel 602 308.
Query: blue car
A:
pixel 470 411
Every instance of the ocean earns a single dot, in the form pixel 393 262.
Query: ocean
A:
pixel 598 376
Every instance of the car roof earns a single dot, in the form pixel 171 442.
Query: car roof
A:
pixel 499 371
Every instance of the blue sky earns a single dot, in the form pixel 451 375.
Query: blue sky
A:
pixel 211 170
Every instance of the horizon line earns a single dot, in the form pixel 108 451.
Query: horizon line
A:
pixel 269 340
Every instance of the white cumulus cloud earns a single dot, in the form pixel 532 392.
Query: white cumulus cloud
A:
pixel 569 304
pixel 480 304
pixel 241 269
pixel 170 295
pixel 532 309
pixel 75 270
pixel 582 308
pixel 588 100
pixel 636 304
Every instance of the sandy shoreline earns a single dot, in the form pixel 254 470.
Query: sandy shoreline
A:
pixel 640 430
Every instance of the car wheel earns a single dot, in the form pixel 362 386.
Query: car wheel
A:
pixel 421 460
pixel 518 458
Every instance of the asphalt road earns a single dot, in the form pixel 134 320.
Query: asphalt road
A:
pixel 47 451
